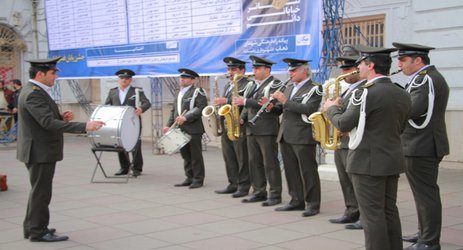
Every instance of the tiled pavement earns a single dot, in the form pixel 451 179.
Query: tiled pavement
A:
pixel 149 213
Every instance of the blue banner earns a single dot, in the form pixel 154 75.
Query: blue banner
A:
pixel 156 37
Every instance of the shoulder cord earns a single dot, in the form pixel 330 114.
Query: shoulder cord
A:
pixel 305 99
pixel 427 79
pixel 247 89
pixel 195 94
pixel 356 134
pixel 271 86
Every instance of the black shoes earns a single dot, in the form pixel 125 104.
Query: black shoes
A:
pixel 196 184
pixel 422 246
pixel 271 202
pixel 310 212
pixel 344 219
pixel 136 173
pixel 185 183
pixel 50 230
pixel 227 190
pixel 290 207
pixel 356 226
pixel 413 238
pixel 49 237
pixel 254 198
pixel 240 193
pixel 122 172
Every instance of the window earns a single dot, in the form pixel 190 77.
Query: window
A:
pixel 364 30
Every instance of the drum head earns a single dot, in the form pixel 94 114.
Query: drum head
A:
pixel 129 129
pixel 121 129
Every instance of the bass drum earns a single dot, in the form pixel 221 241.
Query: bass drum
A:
pixel 121 129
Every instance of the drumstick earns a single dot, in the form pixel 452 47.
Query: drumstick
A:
pixel 175 123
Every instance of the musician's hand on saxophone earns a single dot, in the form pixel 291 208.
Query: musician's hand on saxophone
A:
pixel 328 103
pixel 280 97
pixel 238 101
pixel 220 101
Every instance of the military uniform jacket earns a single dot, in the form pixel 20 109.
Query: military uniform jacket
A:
pixel 292 128
pixel 431 140
pixel 113 98
pixel 40 133
pixel 344 104
pixel 268 122
pixel 193 124
pixel 380 152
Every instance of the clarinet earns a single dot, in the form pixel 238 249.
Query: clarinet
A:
pixel 270 100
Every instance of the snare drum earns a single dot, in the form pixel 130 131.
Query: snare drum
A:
pixel 121 129
pixel 173 140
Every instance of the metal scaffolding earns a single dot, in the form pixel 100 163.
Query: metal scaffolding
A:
pixel 333 13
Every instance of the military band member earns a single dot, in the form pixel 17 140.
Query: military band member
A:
pixel 375 159
pixel 192 100
pixel 298 148
pixel 235 153
pixel 261 136
pixel 424 140
pixel 351 212
pixel 125 95
pixel 40 145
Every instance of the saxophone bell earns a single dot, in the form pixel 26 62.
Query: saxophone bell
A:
pixel 322 129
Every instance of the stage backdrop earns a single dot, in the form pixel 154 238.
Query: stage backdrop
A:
pixel 156 37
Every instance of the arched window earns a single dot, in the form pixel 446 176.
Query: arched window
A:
pixel 11 46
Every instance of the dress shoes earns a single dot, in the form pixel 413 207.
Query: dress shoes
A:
pixel 50 230
pixel 240 193
pixel 355 226
pixel 122 172
pixel 136 173
pixel 227 190
pixel 271 202
pixel 196 184
pixel 413 238
pixel 185 183
pixel 344 219
pixel 290 207
pixel 254 198
pixel 50 238
pixel 310 212
pixel 422 246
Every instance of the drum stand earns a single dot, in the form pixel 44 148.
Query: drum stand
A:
pixel 99 165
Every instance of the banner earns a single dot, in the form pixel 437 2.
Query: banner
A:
pixel 156 37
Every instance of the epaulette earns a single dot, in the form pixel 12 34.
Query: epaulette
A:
pixel 115 88
pixel 316 83
pixel 35 87
pixel 423 72
pixel 368 84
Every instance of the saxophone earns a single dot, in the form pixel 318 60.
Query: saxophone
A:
pixel 211 113
pixel 231 113
pixel 322 129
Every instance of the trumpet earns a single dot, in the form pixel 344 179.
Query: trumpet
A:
pixel 270 100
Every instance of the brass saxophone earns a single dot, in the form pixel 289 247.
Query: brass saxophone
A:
pixel 211 113
pixel 231 113
pixel 322 129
